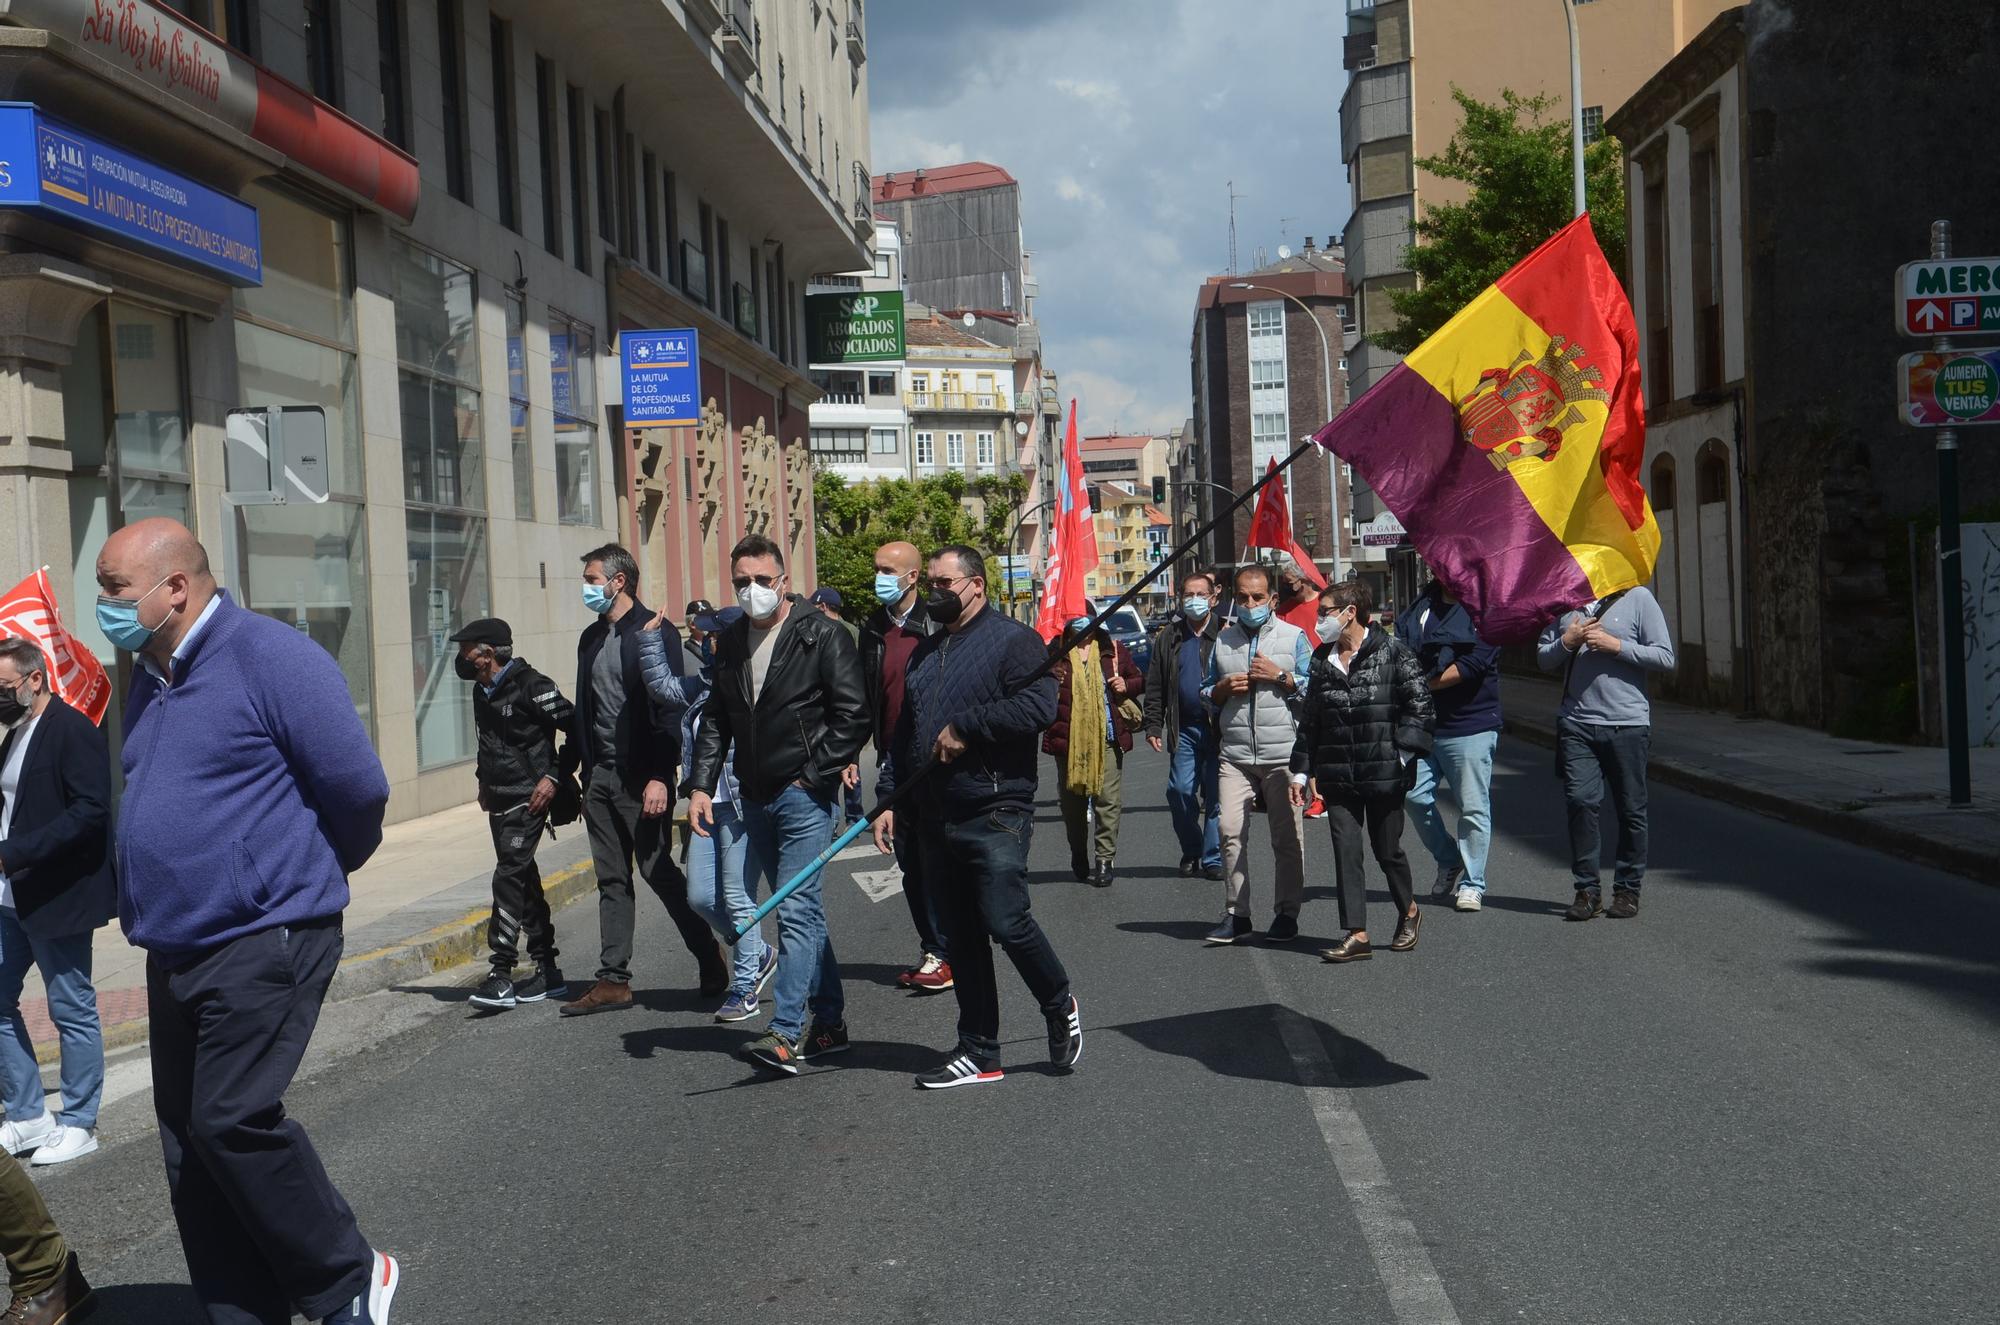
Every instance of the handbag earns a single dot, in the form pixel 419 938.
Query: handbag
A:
pixel 567 807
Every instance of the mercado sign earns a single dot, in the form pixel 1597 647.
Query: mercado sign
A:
pixel 1948 295
pixel 46 164
pixel 854 328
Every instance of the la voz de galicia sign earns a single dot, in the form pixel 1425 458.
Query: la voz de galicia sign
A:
pixel 662 377
pixel 45 163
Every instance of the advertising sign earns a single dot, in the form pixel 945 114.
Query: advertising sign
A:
pixel 46 164
pixel 1385 530
pixel 662 378
pixel 1948 296
pixel 855 328
pixel 1950 388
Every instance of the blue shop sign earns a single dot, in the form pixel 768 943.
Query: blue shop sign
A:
pixel 45 163
pixel 662 378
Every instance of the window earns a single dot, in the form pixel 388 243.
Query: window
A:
pixel 983 454
pixel 926 452
pixel 628 196
pixel 322 51
pixel 1593 124
pixel 839 444
pixel 451 90
pixel 579 225
pixel 1705 254
pixel 882 266
pixel 500 36
pixel 235 21
pixel 920 390
pixel 671 205
pixel 781 93
pixel 696 280
pixel 881 384
pixel 885 441
pixel 573 392
pixel 822 146
pixel 523 450
pixel 954 450
pixel 1267 319
pixel 607 212
pixel 1662 493
pixel 1267 373
pixel 545 124
pixel 649 171
pixel 1711 473
pixel 725 285
pixel 395 122
pixel 1658 372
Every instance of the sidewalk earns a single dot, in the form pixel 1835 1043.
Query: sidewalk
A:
pixel 419 905
pixel 1889 797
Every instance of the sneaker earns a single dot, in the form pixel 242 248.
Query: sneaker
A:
pixel 67 1144
pixel 1467 899
pixel 1589 902
pixel 774 1051
pixel 1447 879
pixel 546 982
pixel 738 1007
pixel 1283 929
pixel 933 977
pixel 767 966
pixel 495 991
pixel 372 1306
pixel 1230 930
pixel 1065 1035
pixel 1624 905
pixel 961 1069
pixel 822 1039
pixel 24 1137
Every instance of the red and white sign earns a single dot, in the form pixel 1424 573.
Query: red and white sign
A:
pixel 1949 296
pixel 29 611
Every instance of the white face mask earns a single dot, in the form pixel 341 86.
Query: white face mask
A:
pixel 1328 627
pixel 757 602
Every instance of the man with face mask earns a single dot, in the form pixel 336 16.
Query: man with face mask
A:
pixel 628 744
pixel 251 793
pixel 518 714
pixel 1178 720
pixel 788 694
pixel 888 638
pixel 56 887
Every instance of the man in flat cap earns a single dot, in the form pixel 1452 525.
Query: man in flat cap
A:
pixel 518 713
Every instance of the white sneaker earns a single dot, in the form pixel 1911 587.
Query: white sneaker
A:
pixel 20 1138
pixel 1447 879
pixel 1467 899
pixel 65 1144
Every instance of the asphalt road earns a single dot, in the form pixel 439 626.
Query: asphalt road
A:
pixel 1768 1098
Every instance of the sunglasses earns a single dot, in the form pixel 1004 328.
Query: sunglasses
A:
pixel 745 581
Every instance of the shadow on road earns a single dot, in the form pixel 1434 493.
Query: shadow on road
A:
pixel 1244 1042
pixel 147 1304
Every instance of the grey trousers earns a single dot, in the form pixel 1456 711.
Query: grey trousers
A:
pixel 621 836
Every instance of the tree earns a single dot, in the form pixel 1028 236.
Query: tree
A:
pixel 1520 177
pixel 856 518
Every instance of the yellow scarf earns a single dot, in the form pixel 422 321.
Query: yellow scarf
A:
pixel 1083 764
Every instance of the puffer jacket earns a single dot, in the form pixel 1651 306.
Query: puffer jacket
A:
pixel 1055 741
pixel 686 693
pixel 518 725
pixel 1356 726
pixel 1259 728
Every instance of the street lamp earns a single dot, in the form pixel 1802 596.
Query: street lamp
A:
pixel 1575 105
pixel 1326 368
pixel 1010 549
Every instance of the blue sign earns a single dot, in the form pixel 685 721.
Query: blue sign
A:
pixel 44 163
pixel 662 378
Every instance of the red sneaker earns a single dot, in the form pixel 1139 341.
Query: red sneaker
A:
pixel 933 977
pixel 1317 810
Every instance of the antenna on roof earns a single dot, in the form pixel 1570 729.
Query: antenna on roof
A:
pixel 1233 196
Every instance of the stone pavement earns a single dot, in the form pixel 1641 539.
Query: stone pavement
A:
pixel 1889 797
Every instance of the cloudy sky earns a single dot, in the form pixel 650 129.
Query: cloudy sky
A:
pixel 1124 120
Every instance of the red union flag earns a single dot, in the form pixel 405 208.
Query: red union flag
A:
pixel 1072 544
pixel 1271 527
pixel 29 610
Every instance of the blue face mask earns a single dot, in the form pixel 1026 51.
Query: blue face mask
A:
pixel 889 589
pixel 1253 618
pixel 118 618
pixel 597 598
pixel 1194 609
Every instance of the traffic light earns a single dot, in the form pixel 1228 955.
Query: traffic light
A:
pixel 1096 504
pixel 1159 490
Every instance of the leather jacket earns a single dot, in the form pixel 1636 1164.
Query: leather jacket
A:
pixel 807 724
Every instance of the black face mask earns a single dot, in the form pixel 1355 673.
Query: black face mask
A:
pixel 12 708
pixel 467 669
pixel 944 606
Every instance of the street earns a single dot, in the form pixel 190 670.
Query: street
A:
pixel 1767 1098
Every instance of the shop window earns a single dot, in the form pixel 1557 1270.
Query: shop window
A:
pixel 573 392
pixel 517 407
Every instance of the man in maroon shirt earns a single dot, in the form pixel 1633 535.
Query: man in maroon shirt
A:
pixel 890 636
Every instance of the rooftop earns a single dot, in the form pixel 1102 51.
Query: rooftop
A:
pixel 966 175
pixel 934 331
pixel 1114 442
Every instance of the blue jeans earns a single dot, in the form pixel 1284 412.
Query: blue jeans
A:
pixel 720 894
pixel 1191 795
pixel 1594 758
pixel 65 967
pixel 784 837
pixel 1462 767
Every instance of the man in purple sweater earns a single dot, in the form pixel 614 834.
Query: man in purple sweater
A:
pixel 251 793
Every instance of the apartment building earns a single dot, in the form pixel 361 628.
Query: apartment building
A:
pixel 857 347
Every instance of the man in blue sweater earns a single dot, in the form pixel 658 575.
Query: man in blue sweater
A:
pixel 1462 672
pixel 251 793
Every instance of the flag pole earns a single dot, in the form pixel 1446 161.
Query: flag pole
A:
pixel 930 765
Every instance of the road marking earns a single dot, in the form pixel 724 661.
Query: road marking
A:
pixel 1416 1294
pixel 859 851
pixel 878 885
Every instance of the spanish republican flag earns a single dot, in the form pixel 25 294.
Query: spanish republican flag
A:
pixel 1509 443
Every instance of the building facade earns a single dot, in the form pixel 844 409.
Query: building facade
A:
pixel 460 204
pixel 1126 524
pixel 861 422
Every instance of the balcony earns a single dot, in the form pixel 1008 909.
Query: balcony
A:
pixel 857 43
pixel 738 38
pixel 704 16
pixel 957 402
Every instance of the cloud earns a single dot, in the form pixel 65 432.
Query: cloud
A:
pixel 1070 191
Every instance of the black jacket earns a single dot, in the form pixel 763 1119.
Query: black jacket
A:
pixel 975 681
pixel 1354 727
pixel 518 725
pixel 873 647
pixel 649 742
pixel 57 852
pixel 808 723
pixel 1163 674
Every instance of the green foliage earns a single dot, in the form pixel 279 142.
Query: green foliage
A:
pixel 1516 160
pixel 856 518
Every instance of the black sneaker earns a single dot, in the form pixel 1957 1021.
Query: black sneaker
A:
pixel 1589 902
pixel 1283 929
pixel 1230 930
pixel 495 991
pixel 546 982
pixel 961 1069
pixel 1065 1034
pixel 1214 873
pixel 1624 903
pixel 821 1039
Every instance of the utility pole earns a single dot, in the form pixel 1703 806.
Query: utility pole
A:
pixel 1951 577
pixel 1575 106
pixel 1233 196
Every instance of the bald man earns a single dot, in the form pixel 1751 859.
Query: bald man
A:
pixel 890 636
pixel 251 793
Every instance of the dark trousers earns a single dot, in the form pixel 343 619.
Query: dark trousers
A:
pixel 621 836
pixel 1381 819
pixel 519 908
pixel 1592 758
pixel 35 1252
pixel 980 868
pixel 263 1229
pixel 917 890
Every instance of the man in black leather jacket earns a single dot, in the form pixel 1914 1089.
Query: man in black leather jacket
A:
pixel 788 694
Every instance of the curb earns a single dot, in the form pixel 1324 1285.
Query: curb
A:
pixel 1976 865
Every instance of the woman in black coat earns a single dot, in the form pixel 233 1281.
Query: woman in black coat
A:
pixel 1367 716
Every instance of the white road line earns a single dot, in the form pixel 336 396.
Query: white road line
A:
pixel 1416 1294
pixel 879 885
